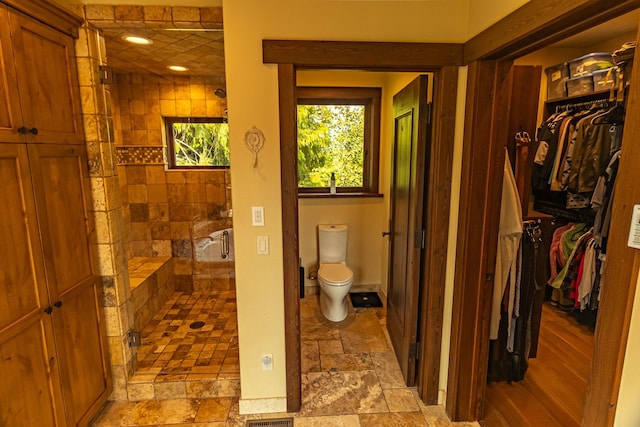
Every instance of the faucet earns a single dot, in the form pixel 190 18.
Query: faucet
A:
pixel 208 240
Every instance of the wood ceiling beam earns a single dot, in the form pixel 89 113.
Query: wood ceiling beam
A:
pixel 362 55
pixel 521 32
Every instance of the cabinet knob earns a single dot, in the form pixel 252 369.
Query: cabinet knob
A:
pixel 57 304
pixel 33 131
pixel 48 310
pixel 23 130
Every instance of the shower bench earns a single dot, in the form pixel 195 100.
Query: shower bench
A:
pixel 151 284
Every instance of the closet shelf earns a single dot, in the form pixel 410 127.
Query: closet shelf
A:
pixel 595 96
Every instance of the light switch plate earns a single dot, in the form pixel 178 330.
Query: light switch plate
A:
pixel 263 245
pixel 257 216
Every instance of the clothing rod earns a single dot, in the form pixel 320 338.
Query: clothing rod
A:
pixel 531 221
pixel 582 105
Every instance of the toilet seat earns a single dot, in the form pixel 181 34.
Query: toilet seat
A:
pixel 335 274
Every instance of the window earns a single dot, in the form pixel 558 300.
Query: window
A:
pixel 339 133
pixel 197 142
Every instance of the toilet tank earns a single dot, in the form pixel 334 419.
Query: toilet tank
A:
pixel 332 241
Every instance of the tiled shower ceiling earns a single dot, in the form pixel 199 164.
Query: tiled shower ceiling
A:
pixel 200 50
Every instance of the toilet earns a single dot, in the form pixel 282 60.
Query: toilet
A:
pixel 334 276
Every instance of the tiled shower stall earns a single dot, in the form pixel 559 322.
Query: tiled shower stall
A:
pixel 149 219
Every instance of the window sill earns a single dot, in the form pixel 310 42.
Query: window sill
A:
pixel 337 195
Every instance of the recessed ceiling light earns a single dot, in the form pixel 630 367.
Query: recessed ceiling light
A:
pixel 177 68
pixel 137 40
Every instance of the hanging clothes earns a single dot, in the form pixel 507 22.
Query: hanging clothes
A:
pixel 569 241
pixel 573 152
pixel 509 354
pixel 509 235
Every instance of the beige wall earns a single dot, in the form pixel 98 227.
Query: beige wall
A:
pixel 252 100
pixel 484 13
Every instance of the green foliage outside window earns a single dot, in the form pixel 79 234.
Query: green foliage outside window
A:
pixel 201 144
pixel 330 139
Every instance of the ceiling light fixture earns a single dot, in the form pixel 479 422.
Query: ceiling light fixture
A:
pixel 177 68
pixel 137 40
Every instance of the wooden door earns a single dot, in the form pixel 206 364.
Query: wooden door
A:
pixel 47 81
pixel 411 130
pixel 10 114
pixel 30 386
pixel 60 178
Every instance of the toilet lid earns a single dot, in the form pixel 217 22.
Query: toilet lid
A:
pixel 335 273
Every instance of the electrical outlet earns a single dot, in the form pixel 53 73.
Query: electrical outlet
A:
pixel 267 362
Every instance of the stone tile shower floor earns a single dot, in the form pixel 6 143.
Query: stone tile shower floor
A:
pixel 172 350
pixel 350 377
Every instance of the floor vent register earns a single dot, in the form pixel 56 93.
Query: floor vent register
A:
pixel 280 422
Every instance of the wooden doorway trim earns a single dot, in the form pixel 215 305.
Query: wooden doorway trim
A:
pixel 482 168
pixel 416 57
pixel 437 206
pixel 511 37
pixel 290 244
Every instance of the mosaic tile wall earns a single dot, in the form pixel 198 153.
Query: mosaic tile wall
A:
pixel 167 211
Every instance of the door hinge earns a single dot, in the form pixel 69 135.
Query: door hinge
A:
pixel 133 338
pixel 420 239
pixel 429 108
pixel 106 74
pixel 414 350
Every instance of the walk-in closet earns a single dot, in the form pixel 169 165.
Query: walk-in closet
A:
pixel 566 125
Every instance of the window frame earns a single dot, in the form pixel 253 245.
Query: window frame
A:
pixel 169 141
pixel 371 99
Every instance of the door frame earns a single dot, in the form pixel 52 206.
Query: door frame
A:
pixel 441 59
pixel 489 56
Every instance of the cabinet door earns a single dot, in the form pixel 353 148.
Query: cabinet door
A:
pixel 30 386
pixel 10 115
pixel 61 189
pixel 47 81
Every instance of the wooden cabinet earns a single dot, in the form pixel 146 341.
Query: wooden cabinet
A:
pixel 38 84
pixel 51 325
pixel 53 360
pixel 28 363
pixel 60 182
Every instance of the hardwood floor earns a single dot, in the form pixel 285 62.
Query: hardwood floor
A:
pixel 553 390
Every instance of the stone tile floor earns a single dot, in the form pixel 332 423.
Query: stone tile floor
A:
pixel 350 378
pixel 170 346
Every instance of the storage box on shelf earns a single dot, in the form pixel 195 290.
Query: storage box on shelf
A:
pixel 557 76
pixel 589 63
pixel 580 85
pixel 605 79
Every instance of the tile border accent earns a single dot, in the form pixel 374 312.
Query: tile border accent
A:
pixel 263 406
pixel 140 155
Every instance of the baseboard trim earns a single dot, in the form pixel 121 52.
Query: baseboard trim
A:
pixel 442 397
pixel 263 406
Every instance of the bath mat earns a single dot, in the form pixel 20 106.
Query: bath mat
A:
pixel 365 299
